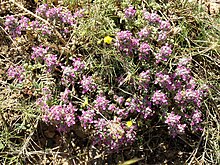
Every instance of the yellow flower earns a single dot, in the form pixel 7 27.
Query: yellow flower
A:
pixel 108 40
pixel 129 123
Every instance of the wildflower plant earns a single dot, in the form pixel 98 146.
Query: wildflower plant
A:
pixel 147 82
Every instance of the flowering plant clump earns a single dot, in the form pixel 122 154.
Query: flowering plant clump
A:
pixel 148 83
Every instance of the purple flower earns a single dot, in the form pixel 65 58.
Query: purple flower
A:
pixel 51 60
pixel 189 96
pixel 191 84
pixel 196 119
pixel 67 18
pixel 164 53
pixel 147 112
pixel 58 114
pixel 175 127
pixel 124 36
pixel 16 72
pixel 78 64
pixel 162 36
pixel 112 107
pixel 41 10
pixel 139 105
pixel 144 79
pixel 87 84
pixel 45 29
pixel 68 71
pixel 87 117
pixel 12 26
pixel 183 72
pixel 101 103
pixel 113 133
pixel 10 21
pixel 53 13
pixel 159 98
pixel 126 42
pixel 166 50
pixel 144 33
pixel 118 99
pixel 79 13
pixel 68 75
pixel 164 25
pixel 144 50
pixel 122 112
pixel 34 25
pixel 39 51
pixel 64 95
pixel 130 12
pixel 152 17
pixel 163 80
pixel 69 116
pixel 23 23
pixel 184 61
pixel 56 14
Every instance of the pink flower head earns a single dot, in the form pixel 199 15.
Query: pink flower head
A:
pixel 78 64
pixel 16 72
pixel 130 12
pixel 159 98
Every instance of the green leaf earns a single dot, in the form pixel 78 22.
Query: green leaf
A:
pixel 1 146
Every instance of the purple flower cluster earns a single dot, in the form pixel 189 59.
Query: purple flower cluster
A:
pixel 51 61
pixel 12 26
pixel 189 96
pixel 16 72
pixel 183 72
pixel 68 75
pixel 56 16
pixel 55 13
pixel 126 42
pixel 42 54
pixel 152 17
pixel 78 65
pixel 101 103
pixel 87 117
pixel 113 134
pixel 164 26
pixel 144 79
pixel 137 105
pixel 119 99
pixel 174 125
pixel 144 33
pixel 144 50
pixel 71 72
pixel 39 52
pixel 163 80
pixel 87 84
pixel 164 53
pixel 159 98
pixel 64 95
pixel 130 12
pixel 196 119
pixel 24 23
pixel 58 114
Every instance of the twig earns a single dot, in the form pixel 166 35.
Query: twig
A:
pixel 192 157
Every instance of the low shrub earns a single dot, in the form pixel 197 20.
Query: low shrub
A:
pixel 144 80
